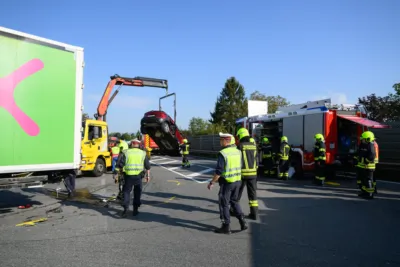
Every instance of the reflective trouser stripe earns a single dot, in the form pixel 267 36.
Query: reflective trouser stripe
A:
pixel 321 178
pixel 253 203
pixel 369 190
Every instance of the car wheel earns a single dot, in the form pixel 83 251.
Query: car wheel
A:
pixel 99 168
pixel 143 130
pixel 165 127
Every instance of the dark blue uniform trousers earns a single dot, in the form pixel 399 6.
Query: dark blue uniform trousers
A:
pixel 69 182
pixel 135 182
pixel 228 197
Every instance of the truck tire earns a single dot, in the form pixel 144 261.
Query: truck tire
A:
pixel 143 130
pixel 99 168
pixel 165 127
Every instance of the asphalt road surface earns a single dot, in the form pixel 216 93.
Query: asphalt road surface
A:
pixel 300 225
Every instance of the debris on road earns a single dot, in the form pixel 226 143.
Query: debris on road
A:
pixel 27 206
pixel 54 210
pixel 32 222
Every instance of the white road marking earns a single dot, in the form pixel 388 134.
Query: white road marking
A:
pixel 158 159
pixel 168 162
pixel 174 168
pixel 388 182
pixel 36 186
pixel 200 172
pixel 182 175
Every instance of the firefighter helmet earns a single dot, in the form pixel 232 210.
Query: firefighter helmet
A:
pixel 368 136
pixel 242 132
pixel 319 137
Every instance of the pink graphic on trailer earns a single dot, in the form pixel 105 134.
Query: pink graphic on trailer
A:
pixel 7 101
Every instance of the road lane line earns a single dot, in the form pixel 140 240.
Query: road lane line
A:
pixel 192 162
pixel 388 182
pixel 184 176
pixel 200 172
pixel 158 159
pixel 174 168
pixel 168 162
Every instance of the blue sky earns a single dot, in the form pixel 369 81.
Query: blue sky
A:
pixel 302 50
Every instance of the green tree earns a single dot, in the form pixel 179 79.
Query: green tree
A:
pixel 184 132
pixel 230 105
pixel 274 102
pixel 256 95
pixel 215 129
pixel 396 88
pixel 138 135
pixel 126 136
pixel 382 109
pixel 116 134
pixel 198 126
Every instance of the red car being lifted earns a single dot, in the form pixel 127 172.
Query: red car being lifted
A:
pixel 162 129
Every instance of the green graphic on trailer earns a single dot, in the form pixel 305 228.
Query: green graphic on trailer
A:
pixel 37 103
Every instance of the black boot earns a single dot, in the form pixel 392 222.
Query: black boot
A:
pixel 135 211
pixel 364 194
pixel 225 229
pixel 243 223
pixel 253 213
pixel 71 194
pixel 123 214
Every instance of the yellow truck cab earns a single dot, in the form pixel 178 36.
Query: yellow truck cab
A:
pixel 96 157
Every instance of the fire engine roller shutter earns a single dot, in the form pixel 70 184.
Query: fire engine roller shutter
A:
pixel 364 121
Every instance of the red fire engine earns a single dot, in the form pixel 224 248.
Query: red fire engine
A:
pixel 342 125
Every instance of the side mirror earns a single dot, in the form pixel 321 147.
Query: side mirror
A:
pixel 96 133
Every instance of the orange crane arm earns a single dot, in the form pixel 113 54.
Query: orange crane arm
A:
pixel 117 80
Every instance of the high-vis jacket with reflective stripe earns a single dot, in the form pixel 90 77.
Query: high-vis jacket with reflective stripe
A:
pixel 115 151
pixel 366 156
pixel 233 164
pixel 185 149
pixel 123 145
pixel 134 161
pixel 284 151
pixel 319 151
pixel 267 151
pixel 249 160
